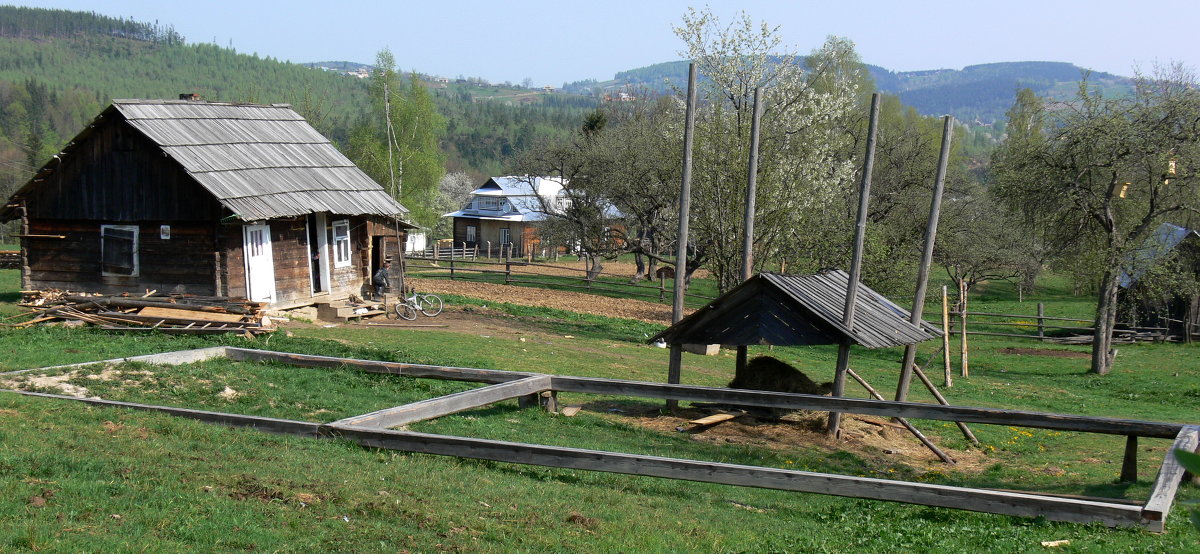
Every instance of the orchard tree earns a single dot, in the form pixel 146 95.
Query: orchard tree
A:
pixel 801 168
pixel 1112 168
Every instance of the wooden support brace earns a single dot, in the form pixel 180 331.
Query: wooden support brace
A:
pixel 916 433
pixel 527 388
pixel 966 431
pixel 549 401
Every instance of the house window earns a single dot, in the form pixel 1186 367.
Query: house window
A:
pixel 341 243
pixel 487 203
pixel 470 233
pixel 119 250
pixel 505 236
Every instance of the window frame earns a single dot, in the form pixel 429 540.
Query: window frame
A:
pixel 134 253
pixel 472 233
pixel 342 253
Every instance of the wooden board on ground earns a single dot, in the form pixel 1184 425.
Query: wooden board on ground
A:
pixel 189 315
pixel 713 419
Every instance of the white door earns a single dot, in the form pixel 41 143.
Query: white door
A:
pixel 260 269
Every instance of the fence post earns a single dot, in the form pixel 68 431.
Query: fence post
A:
pixel 436 252
pixel 489 249
pixel 451 268
pixel 1041 321
pixel 662 286
pixel 962 318
pixel 946 338
pixel 475 256
pixel 508 268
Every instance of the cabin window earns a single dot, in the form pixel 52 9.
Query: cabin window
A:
pixel 341 243
pixel 470 233
pixel 505 236
pixel 119 250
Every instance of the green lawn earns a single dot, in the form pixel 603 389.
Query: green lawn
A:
pixel 181 485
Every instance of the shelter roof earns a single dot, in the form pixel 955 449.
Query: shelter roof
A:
pixel 783 310
pixel 1166 238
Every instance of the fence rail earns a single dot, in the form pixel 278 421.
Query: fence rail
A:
pixel 1040 328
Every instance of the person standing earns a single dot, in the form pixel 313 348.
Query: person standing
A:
pixel 381 280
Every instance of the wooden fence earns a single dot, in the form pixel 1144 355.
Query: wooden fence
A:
pixel 1042 327
pixel 372 430
pixel 524 272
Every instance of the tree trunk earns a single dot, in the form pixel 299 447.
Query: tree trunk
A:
pixel 1106 319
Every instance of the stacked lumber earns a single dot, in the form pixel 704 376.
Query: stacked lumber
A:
pixel 172 314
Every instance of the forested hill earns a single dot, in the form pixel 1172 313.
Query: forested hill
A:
pixel 978 94
pixel 59 68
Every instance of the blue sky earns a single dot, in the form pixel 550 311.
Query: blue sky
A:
pixel 556 41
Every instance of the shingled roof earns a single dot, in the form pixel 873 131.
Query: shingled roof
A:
pixel 783 310
pixel 259 161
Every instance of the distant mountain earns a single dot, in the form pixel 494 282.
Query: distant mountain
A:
pixel 978 94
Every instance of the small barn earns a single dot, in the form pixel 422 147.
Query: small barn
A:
pixel 791 310
pixel 207 198
pixel 1149 298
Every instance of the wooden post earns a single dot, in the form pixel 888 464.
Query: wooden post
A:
pixel 860 235
pixel 489 243
pixel 451 268
pixel 550 401
pixel 1129 464
pixel 962 318
pixel 507 271
pixel 743 353
pixel 475 256
pixel 918 305
pixel 1041 321
pixel 685 197
pixel 436 252
pixel 662 287
pixel 946 338
pixel 673 371
pixel 751 182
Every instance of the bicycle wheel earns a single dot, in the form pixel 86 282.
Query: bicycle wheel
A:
pixel 430 304
pixel 406 311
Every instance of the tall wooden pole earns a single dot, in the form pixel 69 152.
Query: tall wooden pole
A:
pixel 685 197
pixel 751 185
pixel 860 232
pixel 685 206
pixel 918 307
pixel 748 236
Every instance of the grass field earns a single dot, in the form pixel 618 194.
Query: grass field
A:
pixel 78 478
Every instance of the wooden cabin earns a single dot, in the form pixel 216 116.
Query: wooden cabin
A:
pixel 1142 302
pixel 208 198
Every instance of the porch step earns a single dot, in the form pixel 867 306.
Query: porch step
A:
pixel 344 311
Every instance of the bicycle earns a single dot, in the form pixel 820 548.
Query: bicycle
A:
pixel 428 304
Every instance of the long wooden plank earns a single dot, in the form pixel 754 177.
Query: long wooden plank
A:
pixel 372 366
pixel 267 424
pixel 1170 476
pixel 189 315
pixel 166 358
pixel 449 404
pixel 912 410
pixel 979 500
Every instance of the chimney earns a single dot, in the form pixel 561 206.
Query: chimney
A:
pixel 190 96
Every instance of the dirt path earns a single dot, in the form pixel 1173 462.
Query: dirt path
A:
pixel 641 310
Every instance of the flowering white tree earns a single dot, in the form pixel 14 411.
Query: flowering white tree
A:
pixel 802 161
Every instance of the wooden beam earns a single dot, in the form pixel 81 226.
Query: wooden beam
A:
pixel 166 358
pixel 449 404
pixel 267 424
pixel 1170 476
pixel 979 500
pixel 911 410
pixel 371 366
